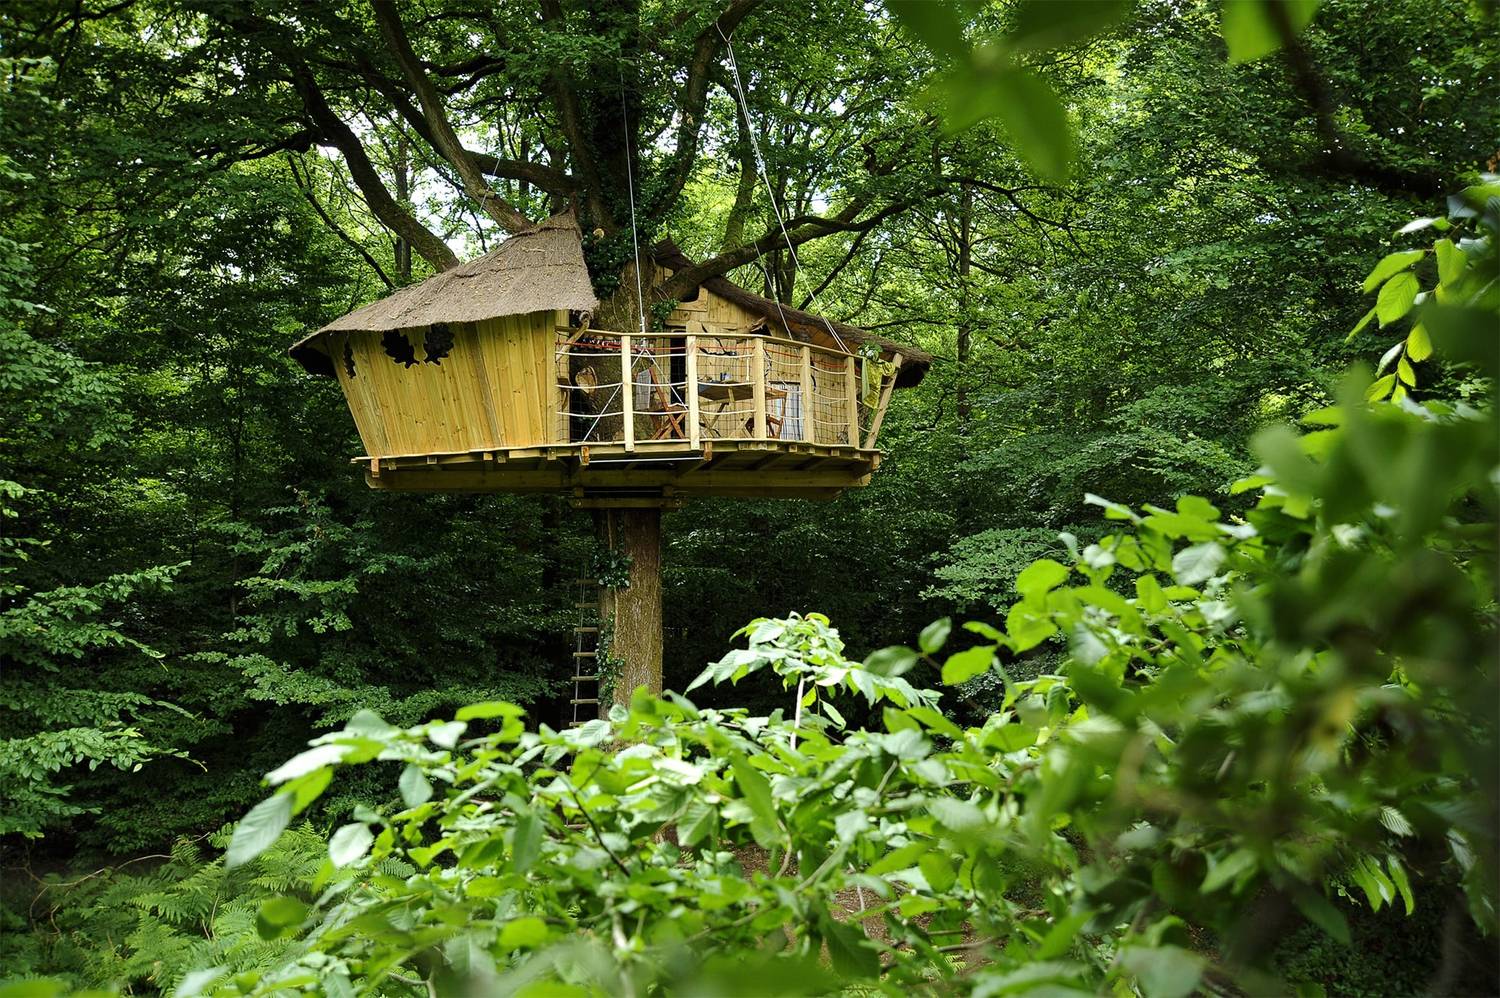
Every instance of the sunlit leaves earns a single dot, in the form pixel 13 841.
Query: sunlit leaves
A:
pixel 258 829
pixel 1396 297
pixel 1391 265
pixel 350 843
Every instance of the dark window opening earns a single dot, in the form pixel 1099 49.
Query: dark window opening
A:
pixel 399 348
pixel 349 358
pixel 439 342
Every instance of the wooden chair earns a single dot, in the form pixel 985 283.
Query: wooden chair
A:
pixel 669 417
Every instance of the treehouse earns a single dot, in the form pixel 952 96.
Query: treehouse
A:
pixel 490 377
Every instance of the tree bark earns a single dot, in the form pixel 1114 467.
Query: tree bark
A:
pixel 636 610
pixel 965 306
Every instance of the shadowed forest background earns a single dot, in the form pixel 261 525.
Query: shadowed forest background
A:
pixel 196 581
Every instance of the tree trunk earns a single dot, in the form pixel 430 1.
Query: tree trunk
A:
pixel 635 610
pixel 965 308
pixel 403 197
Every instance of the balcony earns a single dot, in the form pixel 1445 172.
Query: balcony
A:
pixel 647 418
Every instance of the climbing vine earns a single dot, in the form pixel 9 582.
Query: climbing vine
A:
pixel 612 568
pixel 607 665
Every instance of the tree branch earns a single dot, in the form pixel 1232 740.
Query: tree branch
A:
pixel 551 180
pixel 306 189
pixel 445 140
pixel 695 98
pixel 571 119
pixel 798 231
pixel 332 130
pixel 397 218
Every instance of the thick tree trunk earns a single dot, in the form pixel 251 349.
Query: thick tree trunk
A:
pixel 635 610
pixel 965 308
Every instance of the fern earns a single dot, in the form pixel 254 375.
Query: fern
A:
pixel 140 929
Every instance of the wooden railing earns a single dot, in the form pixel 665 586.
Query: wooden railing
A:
pixel 697 387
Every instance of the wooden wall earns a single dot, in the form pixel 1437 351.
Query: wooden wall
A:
pixel 495 388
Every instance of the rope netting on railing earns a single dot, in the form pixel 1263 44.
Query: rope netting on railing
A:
pixel 805 392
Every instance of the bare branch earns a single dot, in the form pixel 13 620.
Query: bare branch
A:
pixel 306 189
pixel 445 140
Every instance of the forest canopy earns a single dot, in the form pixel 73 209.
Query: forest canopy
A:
pixel 1157 657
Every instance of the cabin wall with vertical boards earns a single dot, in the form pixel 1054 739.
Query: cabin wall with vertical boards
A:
pixel 494 388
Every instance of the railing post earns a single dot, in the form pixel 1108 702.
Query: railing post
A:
pixel 809 430
pixel 851 389
pixel 627 390
pixel 758 386
pixel 695 431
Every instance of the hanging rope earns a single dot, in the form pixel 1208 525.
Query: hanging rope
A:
pixel 640 295
pixel 760 164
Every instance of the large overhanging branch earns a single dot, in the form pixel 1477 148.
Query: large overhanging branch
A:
pixel 443 138
pixel 391 214
pixel 798 231
pixel 539 175
pixel 695 98
pixel 332 130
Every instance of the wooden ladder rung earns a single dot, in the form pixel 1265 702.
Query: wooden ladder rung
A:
pixel 586 606
pixel 585 654
pixel 585 679
pixel 594 700
pixel 586 629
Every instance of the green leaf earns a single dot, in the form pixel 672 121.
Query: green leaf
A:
pixel 258 829
pixel 850 950
pixel 896 660
pixel 935 635
pixel 1405 373
pixel 696 822
pixel 1163 971
pixel 1321 912
pixel 965 665
pixel 414 786
pixel 1112 510
pixel 1052 24
pixel 937 870
pixel 1228 869
pixel 1380 389
pixel 1250 26
pixel 1418 343
pixel 934 22
pixel 526 842
pixel 446 735
pixel 1397 297
pixel 1199 563
pixel 1391 265
pixel 756 791
pixel 488 709
pixel 1450 261
pixel 1031 114
pixel 523 933
pixel 306 762
pixel 1403 885
pixel 958 815
pixel 277 915
pixel 350 844
pixel 1361 324
pixel 1041 576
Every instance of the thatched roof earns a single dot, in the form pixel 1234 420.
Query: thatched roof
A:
pixel 532 271
pixel 799 324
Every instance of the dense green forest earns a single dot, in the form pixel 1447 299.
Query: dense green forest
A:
pixel 1158 657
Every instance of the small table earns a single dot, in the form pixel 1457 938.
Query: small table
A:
pixel 727 393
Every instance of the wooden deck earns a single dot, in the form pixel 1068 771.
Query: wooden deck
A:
pixel 644 473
